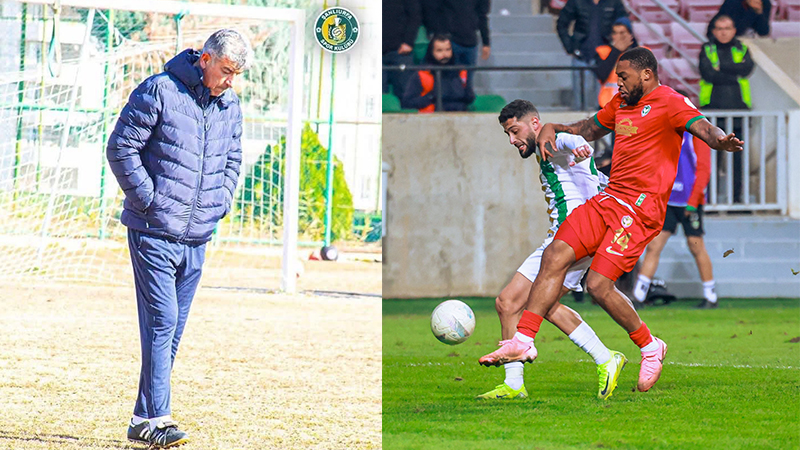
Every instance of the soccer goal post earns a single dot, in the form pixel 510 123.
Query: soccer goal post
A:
pixel 67 68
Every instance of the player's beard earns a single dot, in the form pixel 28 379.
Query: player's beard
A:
pixel 530 147
pixel 636 94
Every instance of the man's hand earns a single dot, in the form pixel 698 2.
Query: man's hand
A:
pixel 580 154
pixel 757 6
pixel 486 51
pixel 689 210
pixel 404 49
pixel 729 143
pixel 546 141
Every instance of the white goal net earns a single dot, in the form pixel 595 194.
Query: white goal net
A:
pixel 66 70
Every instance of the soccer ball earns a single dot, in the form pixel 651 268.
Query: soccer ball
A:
pixel 452 322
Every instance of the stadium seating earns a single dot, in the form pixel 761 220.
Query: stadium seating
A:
pixel 685 41
pixel 652 12
pixel 487 103
pixel 790 10
pixel 647 38
pixel 391 104
pixel 681 69
pixel 784 29
pixel 699 10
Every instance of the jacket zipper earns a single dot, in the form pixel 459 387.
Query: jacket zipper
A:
pixel 202 169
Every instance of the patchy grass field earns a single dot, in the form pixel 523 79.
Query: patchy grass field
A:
pixel 731 380
pixel 254 371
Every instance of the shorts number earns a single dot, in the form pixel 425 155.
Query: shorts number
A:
pixel 621 239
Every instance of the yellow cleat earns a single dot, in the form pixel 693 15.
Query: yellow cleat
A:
pixel 504 392
pixel 608 374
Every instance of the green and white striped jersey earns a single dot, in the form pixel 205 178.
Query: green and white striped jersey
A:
pixel 567 186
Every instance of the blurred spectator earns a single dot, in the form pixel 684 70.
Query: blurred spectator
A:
pixel 432 17
pixel 685 206
pixel 462 19
pixel 420 93
pixel 622 39
pixel 592 23
pixel 746 15
pixel 401 20
pixel 725 64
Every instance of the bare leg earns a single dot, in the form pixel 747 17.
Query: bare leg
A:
pixel 698 248
pixel 558 257
pixel 653 254
pixel 563 317
pixel 616 304
pixel 511 303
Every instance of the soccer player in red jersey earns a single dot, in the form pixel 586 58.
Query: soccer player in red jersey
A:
pixel 616 225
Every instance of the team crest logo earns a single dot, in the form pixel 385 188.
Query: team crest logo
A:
pixel 625 127
pixel 336 30
pixel 627 221
pixel 645 110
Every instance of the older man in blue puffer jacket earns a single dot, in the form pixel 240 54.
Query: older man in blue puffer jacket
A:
pixel 176 152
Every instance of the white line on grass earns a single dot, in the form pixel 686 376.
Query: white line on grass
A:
pixel 672 363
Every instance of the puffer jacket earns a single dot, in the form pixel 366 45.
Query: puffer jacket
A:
pixel 176 153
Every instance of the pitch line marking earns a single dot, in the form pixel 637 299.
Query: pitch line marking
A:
pixel 671 363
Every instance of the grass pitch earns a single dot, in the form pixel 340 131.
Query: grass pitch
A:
pixel 731 380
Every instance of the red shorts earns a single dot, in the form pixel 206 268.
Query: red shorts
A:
pixel 608 231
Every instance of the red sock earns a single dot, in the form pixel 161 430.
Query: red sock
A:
pixel 641 337
pixel 529 324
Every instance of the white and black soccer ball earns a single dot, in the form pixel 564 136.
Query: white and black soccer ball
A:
pixel 452 322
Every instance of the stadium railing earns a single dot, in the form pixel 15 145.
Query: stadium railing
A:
pixel 437 73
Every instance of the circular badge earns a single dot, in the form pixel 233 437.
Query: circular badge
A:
pixel 336 29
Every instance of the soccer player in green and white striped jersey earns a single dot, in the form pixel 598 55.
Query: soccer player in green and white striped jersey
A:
pixel 568 179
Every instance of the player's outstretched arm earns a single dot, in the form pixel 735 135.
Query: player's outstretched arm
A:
pixel 587 128
pixel 715 137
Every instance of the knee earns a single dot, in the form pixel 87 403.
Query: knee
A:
pixel 598 287
pixel 506 305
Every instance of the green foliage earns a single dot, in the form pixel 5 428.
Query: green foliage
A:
pixel 261 196
pixel 730 381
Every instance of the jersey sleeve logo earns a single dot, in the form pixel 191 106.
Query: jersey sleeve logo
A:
pixel 625 127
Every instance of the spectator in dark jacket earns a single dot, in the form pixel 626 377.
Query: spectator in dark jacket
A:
pixel 746 15
pixel 421 90
pixel 401 20
pixel 462 20
pixel 725 65
pixel 175 151
pixel 592 21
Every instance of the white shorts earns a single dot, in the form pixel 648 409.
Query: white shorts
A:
pixel 530 268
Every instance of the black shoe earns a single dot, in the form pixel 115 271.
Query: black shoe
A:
pixel 139 433
pixel 705 304
pixel 167 435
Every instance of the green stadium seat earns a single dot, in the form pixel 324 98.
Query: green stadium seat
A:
pixel 487 103
pixel 420 45
pixel 391 104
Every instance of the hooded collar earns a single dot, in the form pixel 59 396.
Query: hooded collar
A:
pixel 183 68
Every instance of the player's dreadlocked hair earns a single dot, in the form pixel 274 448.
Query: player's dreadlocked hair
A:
pixel 517 109
pixel 641 58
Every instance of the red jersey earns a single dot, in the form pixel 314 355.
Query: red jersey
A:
pixel 647 145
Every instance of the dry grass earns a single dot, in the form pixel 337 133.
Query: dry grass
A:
pixel 255 371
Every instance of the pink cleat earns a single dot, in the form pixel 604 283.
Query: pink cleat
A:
pixel 510 350
pixel 651 366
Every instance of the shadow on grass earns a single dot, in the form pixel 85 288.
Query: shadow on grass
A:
pixel 64 439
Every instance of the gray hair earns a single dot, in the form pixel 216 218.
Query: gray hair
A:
pixel 232 45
